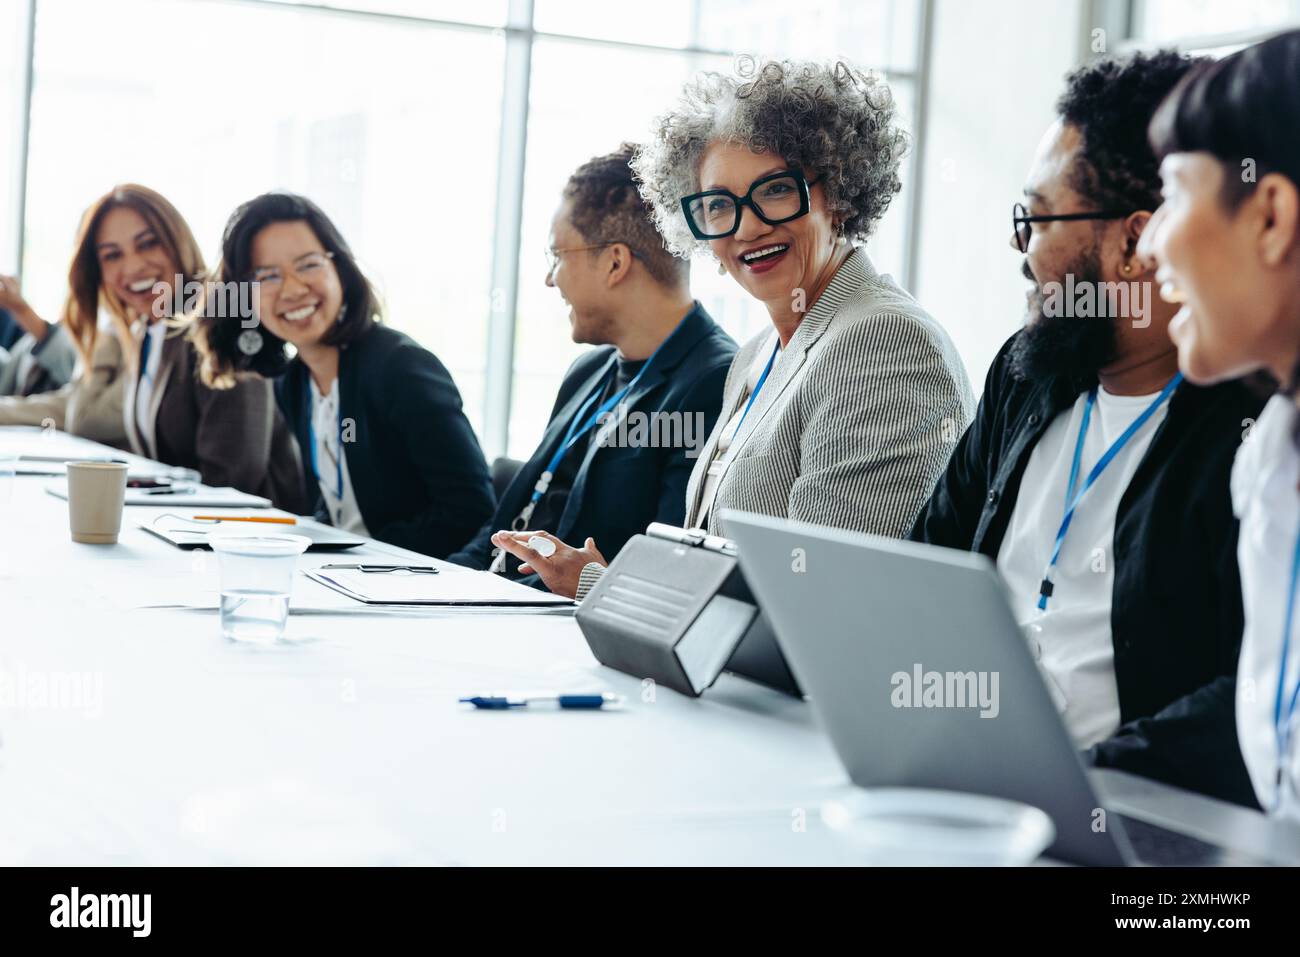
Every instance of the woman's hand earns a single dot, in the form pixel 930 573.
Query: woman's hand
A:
pixel 11 300
pixel 560 571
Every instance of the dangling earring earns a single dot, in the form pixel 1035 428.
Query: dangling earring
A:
pixel 722 269
pixel 343 311
pixel 1128 269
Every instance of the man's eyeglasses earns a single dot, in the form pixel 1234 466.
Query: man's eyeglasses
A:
pixel 1023 223
pixel 306 268
pixel 553 253
pixel 775 199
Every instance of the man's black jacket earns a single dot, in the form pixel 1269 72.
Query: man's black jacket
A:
pixel 619 490
pixel 1176 614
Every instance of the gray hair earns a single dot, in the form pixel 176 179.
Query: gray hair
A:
pixel 829 119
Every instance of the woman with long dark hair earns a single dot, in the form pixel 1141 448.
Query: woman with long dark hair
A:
pixel 386 449
pixel 1227 241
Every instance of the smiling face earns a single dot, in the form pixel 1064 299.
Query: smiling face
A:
pixel 1237 310
pixel 769 262
pixel 132 260
pixel 582 282
pixel 1061 343
pixel 299 294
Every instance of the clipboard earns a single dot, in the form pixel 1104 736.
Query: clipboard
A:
pixel 453 586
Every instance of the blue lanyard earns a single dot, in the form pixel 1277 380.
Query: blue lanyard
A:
pixel 758 387
pixel 1072 498
pixel 1282 720
pixel 581 426
pixel 338 461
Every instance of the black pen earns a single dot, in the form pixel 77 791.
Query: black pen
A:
pixel 380 569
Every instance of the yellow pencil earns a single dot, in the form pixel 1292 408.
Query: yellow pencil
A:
pixel 270 519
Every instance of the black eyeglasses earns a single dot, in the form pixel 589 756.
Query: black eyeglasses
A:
pixel 1023 223
pixel 775 199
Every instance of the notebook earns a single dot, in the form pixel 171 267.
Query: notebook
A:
pixel 176 530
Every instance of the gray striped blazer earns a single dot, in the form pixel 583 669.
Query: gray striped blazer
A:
pixel 857 419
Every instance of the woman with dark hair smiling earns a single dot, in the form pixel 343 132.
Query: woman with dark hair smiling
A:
pixel 1227 242
pixel 386 448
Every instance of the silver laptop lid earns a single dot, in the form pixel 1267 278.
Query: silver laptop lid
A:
pixel 916 668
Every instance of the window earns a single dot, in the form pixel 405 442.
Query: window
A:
pixel 381 123
pixel 1211 22
pixel 403 119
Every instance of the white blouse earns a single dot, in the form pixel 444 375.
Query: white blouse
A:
pixel 331 464
pixel 1266 498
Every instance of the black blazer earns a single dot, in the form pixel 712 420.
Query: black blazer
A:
pixel 1176 612
pixel 417 471
pixel 619 490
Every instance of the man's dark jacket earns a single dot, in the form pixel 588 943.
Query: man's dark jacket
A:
pixel 618 491
pixel 1176 614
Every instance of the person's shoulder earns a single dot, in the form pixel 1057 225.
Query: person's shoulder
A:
pixel 394 352
pixel 1235 397
pixel 1267 436
pixel 380 341
pixel 588 362
pixel 882 322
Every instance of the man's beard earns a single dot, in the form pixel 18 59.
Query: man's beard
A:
pixel 1064 345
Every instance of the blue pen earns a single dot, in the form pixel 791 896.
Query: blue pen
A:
pixel 589 702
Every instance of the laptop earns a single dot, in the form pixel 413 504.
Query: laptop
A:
pixel 918 671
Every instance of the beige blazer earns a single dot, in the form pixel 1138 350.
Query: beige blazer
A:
pixel 90 405
pixel 232 437
pixel 856 421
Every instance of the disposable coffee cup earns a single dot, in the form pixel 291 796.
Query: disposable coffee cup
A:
pixel 96 493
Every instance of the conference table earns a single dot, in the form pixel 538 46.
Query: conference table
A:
pixel 132 733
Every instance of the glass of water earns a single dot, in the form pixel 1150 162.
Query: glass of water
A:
pixel 8 469
pixel 256 581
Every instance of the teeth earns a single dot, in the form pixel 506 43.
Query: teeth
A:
pixel 300 314
pixel 1171 293
pixel 758 253
pixel 143 285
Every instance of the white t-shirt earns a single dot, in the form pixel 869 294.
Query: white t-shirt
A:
pixel 1266 500
pixel 331 464
pixel 717 465
pixel 1072 639
pixel 156 332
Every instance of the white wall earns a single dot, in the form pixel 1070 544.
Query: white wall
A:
pixel 996 71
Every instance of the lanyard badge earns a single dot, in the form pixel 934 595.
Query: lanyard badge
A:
pixel 1284 705
pixel 579 426
pixel 1072 499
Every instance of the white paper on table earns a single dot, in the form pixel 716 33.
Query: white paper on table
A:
pixel 453 585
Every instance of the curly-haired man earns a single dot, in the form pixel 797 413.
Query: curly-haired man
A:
pixel 1097 478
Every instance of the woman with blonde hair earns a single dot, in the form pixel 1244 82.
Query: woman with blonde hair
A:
pixel 135 255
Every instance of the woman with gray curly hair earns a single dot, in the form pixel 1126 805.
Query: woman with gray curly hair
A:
pixel 846 411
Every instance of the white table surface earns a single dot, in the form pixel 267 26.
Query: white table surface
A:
pixel 346 744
